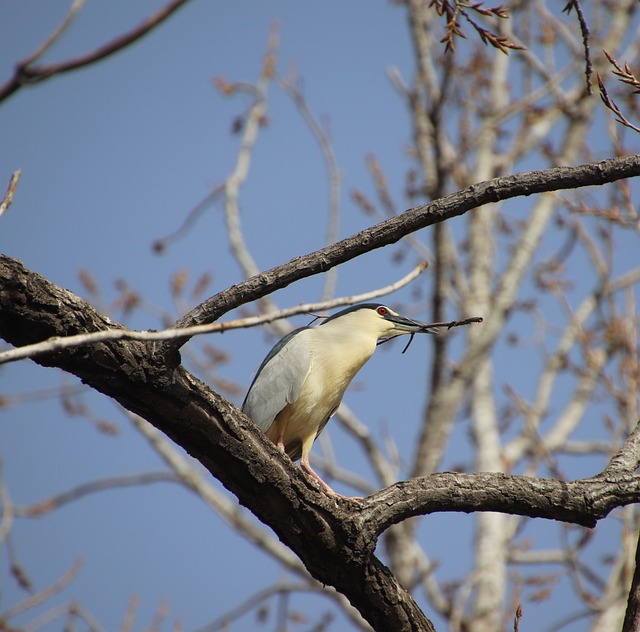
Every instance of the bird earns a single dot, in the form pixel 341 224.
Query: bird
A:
pixel 302 380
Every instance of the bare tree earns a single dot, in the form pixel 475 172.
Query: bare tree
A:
pixel 516 92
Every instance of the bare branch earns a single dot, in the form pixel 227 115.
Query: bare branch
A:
pixel 43 595
pixel 393 229
pixel 11 189
pixel 80 491
pixel 251 602
pixel 27 74
pixel 74 9
pixel 80 340
pixel 627 77
pixel 581 502
pixel 289 85
pixel 584 29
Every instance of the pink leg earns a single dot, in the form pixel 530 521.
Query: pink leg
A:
pixel 306 467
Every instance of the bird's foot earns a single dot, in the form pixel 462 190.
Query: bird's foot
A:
pixel 306 467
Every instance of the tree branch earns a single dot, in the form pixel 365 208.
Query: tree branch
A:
pixel 154 386
pixel 581 502
pixel 213 431
pixel 267 482
pixel 25 73
pixel 632 614
pixel 394 229
pixel 80 340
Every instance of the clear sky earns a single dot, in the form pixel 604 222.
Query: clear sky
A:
pixel 114 157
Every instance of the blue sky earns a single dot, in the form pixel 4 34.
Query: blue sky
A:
pixel 113 157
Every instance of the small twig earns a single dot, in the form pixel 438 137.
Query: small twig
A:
pixel 74 9
pixel 627 77
pixel 253 601
pixel 27 74
pixel 517 618
pixel 72 611
pixel 43 595
pixel 584 29
pixel 160 244
pixel 427 327
pixel 289 85
pixel 457 323
pixel 76 493
pixel 452 9
pixel 11 189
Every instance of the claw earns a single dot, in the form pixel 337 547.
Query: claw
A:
pixel 306 467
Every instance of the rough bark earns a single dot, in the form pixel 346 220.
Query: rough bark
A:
pixel 334 539
pixel 323 534
pixel 632 614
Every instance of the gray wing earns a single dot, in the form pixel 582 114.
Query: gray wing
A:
pixel 279 379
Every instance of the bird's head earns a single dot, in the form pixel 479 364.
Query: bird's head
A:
pixel 377 320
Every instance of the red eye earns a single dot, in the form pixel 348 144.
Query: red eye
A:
pixel 383 311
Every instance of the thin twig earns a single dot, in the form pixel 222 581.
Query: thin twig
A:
pixel 333 173
pixel 627 77
pixel 457 323
pixel 80 340
pixel 73 610
pixel 26 73
pixel 160 244
pixel 74 9
pixel 253 601
pixel 584 29
pixel 7 510
pixel 11 189
pixel 43 595
pixel 76 493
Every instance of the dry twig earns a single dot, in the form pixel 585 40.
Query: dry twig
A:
pixel 584 29
pixel 453 9
pixel 627 77
pixel 26 73
pixel 11 189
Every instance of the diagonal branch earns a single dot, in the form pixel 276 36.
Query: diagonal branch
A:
pixel 25 73
pixel 213 431
pixel 392 230
pixel 267 482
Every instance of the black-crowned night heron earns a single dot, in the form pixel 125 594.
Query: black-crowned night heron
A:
pixel 300 383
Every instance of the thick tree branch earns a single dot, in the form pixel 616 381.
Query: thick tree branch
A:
pixel 215 433
pixel 327 534
pixel 394 229
pixel 581 502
